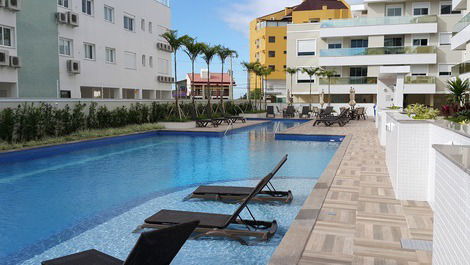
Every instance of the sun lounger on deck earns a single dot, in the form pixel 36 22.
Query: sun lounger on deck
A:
pixel 229 193
pixel 155 247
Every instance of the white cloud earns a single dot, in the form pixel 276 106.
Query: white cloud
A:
pixel 238 15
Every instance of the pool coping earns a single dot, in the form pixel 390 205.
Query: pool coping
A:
pixel 293 244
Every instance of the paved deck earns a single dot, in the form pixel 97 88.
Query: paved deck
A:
pixel 360 221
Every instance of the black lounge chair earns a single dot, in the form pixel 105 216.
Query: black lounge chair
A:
pixel 270 112
pixel 234 119
pixel 305 112
pixel 220 225
pixel 327 112
pixel 289 112
pixel 341 119
pixel 229 193
pixel 155 247
pixel 205 122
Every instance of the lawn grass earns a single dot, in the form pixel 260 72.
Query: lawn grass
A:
pixel 82 135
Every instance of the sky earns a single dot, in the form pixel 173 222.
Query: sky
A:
pixel 221 22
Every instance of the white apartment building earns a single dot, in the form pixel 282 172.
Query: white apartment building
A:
pixel 391 53
pixel 461 38
pixel 8 73
pixel 89 49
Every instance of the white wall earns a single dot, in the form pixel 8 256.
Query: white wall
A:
pixel 94 29
pixel 9 75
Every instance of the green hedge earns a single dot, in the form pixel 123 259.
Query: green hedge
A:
pixel 29 122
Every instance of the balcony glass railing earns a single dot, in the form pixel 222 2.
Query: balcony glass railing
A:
pixel 461 69
pixel 463 23
pixel 377 51
pixel 371 21
pixel 351 80
pixel 271 24
pixel 420 79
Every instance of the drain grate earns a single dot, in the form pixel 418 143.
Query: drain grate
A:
pixel 416 244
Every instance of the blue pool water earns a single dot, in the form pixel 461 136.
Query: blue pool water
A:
pixel 69 197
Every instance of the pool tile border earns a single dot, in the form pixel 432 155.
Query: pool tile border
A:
pixel 293 244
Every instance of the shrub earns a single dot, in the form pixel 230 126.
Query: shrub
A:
pixel 421 112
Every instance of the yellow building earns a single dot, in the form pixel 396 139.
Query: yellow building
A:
pixel 268 38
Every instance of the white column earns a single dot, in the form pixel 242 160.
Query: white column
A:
pixel 399 90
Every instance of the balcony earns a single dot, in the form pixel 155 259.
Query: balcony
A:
pixel 420 84
pixel 378 56
pixel 342 85
pixel 462 33
pixel 271 24
pixel 366 26
pixel 462 70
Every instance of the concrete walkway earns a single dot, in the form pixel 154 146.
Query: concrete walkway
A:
pixel 360 221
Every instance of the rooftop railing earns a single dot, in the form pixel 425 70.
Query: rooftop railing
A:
pixel 377 51
pixel 372 21
pixel 351 80
pixel 461 69
pixel 420 79
pixel 463 23
pixel 270 24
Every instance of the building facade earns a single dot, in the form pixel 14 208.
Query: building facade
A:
pixel 461 38
pixel 87 49
pixel 218 84
pixel 268 38
pixel 390 52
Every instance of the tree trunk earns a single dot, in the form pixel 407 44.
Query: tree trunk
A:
pixel 310 95
pixel 209 110
pixel 192 90
pixel 329 91
pixel 222 90
pixel 178 110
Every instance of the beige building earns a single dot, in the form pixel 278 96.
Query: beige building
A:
pixel 390 53
pixel 461 38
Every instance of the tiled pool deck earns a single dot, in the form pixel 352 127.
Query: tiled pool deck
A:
pixel 352 216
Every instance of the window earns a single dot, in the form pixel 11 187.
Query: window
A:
pixel 90 51
pixel 128 23
pixel 151 61
pixel 144 60
pixel 109 14
pixel 6 36
pixel 393 42
pixel 272 67
pixel 306 47
pixel 87 7
pixel 421 9
pixel 285 52
pixel 420 40
pixel 334 45
pixel 65 94
pixel 130 61
pixel 285 37
pixel 444 38
pixel 142 24
pixel 419 70
pixel 110 55
pixel 446 9
pixel 272 54
pixel 304 78
pixel 445 69
pixel 359 43
pixel 150 27
pixel 272 39
pixel 65 47
pixel 393 10
pixel 63 3
pixel 357 71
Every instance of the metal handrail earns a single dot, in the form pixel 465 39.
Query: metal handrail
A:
pixel 228 128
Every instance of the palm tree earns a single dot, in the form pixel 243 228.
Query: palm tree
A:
pixel 258 70
pixel 193 49
pixel 291 72
pixel 265 72
pixel 208 53
pixel 175 42
pixel 459 89
pixel 250 68
pixel 310 71
pixel 329 74
pixel 224 53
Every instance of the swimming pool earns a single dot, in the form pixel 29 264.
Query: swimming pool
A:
pixel 54 197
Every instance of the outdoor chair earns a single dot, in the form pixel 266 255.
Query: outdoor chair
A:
pixel 328 111
pixel 289 112
pixel 305 112
pixel 341 119
pixel 270 112
pixel 230 193
pixel 218 225
pixel 361 113
pixel 152 248
pixel 316 111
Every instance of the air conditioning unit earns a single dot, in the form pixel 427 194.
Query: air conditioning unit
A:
pixel 61 18
pixel 73 19
pixel 4 58
pixel 14 5
pixel 15 62
pixel 3 3
pixel 73 66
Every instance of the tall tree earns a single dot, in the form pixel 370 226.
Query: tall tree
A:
pixel 291 72
pixel 328 74
pixel 258 70
pixel 208 53
pixel 175 42
pixel 193 49
pixel 310 71
pixel 250 68
pixel 265 72
pixel 223 54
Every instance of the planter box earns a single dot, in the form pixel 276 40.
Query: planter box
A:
pixel 254 115
pixel 178 125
